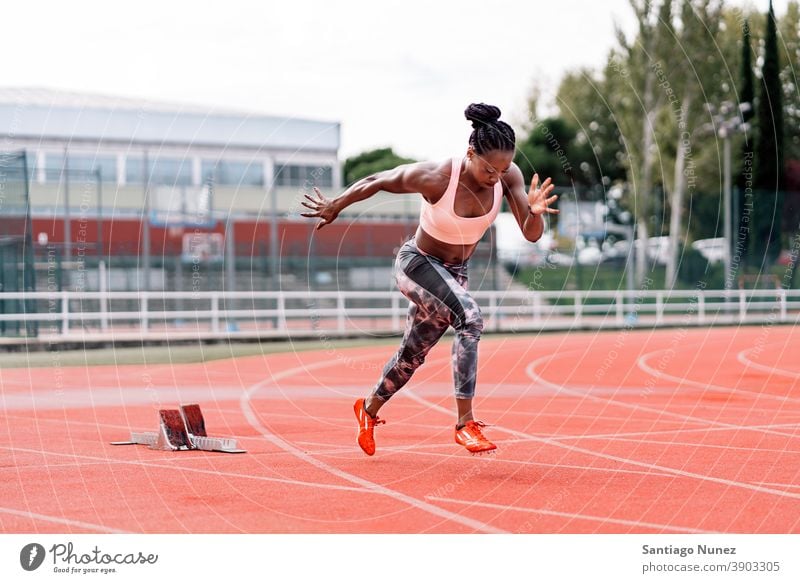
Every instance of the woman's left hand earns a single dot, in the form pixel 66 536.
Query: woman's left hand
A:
pixel 539 199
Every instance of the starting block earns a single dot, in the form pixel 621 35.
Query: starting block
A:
pixel 180 430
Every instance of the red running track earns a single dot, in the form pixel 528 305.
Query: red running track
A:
pixel 672 431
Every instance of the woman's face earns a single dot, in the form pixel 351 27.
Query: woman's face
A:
pixel 488 168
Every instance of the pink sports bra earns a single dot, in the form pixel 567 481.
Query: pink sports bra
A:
pixel 441 222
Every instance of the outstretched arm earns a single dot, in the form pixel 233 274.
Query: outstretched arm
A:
pixel 407 178
pixel 529 208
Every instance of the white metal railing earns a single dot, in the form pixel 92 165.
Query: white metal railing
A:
pixel 207 315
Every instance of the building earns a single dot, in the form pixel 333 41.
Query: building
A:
pixel 111 177
pixel 183 146
pixel 259 163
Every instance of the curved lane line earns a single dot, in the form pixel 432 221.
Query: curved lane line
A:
pixel 619 459
pixel 253 420
pixel 742 358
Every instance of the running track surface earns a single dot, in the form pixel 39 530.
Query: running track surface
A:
pixel 674 431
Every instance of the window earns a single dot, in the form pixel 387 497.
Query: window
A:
pixel 166 171
pixel 294 175
pixel 79 166
pixel 172 171
pixel 54 167
pixel 12 170
pixel 87 164
pixel 32 161
pixel 234 173
pixel 133 170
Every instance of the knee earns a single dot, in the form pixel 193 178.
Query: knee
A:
pixel 408 363
pixel 471 323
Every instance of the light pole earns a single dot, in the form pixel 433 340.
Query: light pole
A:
pixel 724 133
pixel 728 118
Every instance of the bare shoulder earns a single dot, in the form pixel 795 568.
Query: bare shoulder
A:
pixel 513 180
pixel 514 176
pixel 432 177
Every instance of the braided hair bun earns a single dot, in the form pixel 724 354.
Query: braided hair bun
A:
pixel 481 114
pixel 489 133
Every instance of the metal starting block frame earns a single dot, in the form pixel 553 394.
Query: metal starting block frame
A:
pixel 180 430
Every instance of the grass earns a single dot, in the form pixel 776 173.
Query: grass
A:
pixel 602 277
pixel 152 355
pixel 585 277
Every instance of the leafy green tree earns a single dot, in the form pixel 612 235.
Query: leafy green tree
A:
pixel 636 101
pixel 644 122
pixel 747 95
pixel 768 163
pixel 789 51
pixel 550 149
pixel 692 80
pixel 370 162
pixel 595 152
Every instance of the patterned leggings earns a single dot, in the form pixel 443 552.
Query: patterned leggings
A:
pixel 438 292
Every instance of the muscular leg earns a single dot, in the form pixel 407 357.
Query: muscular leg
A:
pixel 468 324
pixel 440 299
pixel 423 331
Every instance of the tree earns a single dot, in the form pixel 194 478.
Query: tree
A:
pixel 696 42
pixel 644 121
pixel 789 46
pixel 370 162
pixel 636 101
pixel 744 179
pixel 789 51
pixel 768 159
pixel 549 149
pixel 595 155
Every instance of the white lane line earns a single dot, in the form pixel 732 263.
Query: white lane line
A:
pixel 706 445
pixel 641 362
pixel 104 397
pixel 340 448
pixel 531 372
pixel 771 370
pixel 65 521
pixel 620 459
pixel 419 450
pixel 179 468
pixel 253 420
pixel 781 485
pixel 576 516
pixel 59 466
pixel 673 431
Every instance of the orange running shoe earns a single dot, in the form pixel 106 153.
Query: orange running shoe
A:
pixel 366 426
pixel 470 436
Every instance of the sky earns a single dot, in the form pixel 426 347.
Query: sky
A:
pixel 394 73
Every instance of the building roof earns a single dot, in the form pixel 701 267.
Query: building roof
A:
pixel 61 115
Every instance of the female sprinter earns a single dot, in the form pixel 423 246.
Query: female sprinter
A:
pixel 460 200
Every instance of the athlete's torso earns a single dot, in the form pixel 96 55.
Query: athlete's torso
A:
pixel 452 224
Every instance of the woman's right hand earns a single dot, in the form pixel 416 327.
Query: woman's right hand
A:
pixel 324 208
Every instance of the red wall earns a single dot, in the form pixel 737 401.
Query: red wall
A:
pixel 295 238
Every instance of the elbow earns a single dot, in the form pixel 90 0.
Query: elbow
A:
pixel 365 182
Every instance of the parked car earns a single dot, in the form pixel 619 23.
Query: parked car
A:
pixel 556 258
pixel 657 250
pixel 616 253
pixel 513 249
pixel 712 249
pixel 590 255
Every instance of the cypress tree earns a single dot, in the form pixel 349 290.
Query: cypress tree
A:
pixel 768 159
pixel 744 182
